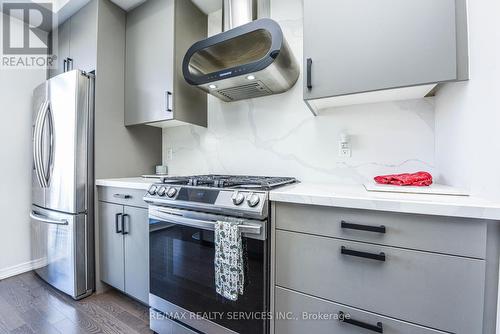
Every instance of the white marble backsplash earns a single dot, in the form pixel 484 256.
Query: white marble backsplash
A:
pixel 278 135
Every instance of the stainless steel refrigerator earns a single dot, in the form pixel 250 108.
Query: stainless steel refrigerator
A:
pixel 62 217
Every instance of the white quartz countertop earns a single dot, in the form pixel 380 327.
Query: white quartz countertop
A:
pixel 356 197
pixel 127 182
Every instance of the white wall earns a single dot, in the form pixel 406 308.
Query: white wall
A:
pixel 468 114
pixel 16 87
pixel 278 135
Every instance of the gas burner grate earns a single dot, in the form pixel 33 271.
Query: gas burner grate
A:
pixel 230 181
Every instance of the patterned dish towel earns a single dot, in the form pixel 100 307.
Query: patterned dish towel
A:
pixel 229 265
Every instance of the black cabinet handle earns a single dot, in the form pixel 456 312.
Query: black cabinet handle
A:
pixel 379 257
pixel 377 328
pixel 309 79
pixel 65 65
pixel 168 98
pixel 368 228
pixel 118 219
pixel 123 224
pixel 122 196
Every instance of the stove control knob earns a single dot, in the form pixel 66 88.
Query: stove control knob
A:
pixel 152 190
pixel 171 192
pixel 237 198
pixel 161 191
pixel 253 200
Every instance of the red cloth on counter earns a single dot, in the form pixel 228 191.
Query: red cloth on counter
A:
pixel 418 179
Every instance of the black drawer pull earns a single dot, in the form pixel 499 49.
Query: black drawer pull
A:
pixel 122 196
pixel 118 220
pixel 377 329
pixel 123 224
pixel 309 74
pixel 368 228
pixel 379 257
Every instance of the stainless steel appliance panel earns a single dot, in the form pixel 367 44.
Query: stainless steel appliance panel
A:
pixel 67 164
pixel 39 103
pixel 59 247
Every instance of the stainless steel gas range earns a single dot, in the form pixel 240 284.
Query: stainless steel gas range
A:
pixel 182 216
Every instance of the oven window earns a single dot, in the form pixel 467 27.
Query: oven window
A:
pixel 182 273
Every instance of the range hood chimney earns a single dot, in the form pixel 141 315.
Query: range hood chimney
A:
pixel 249 59
pixel 236 13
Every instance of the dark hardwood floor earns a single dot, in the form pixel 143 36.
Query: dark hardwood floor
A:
pixel 29 305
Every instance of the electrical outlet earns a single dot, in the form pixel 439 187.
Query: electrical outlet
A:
pixel 170 154
pixel 344 149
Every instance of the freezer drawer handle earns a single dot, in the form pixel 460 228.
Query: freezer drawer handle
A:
pixel 122 196
pixel 377 329
pixel 47 220
pixel 118 221
pixel 359 227
pixel 123 224
pixel 379 257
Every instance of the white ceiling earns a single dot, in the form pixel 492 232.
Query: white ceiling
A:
pixel 207 6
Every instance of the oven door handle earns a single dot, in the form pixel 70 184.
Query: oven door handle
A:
pixel 201 224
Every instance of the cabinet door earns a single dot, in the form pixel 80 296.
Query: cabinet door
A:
pixel 366 45
pixel 111 245
pixel 63 33
pixel 136 229
pixel 83 41
pixel 149 62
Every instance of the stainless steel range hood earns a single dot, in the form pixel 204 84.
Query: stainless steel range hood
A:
pixel 249 59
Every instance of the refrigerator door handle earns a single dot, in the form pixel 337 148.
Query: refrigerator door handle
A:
pixel 37 144
pixel 46 173
pixel 50 165
pixel 36 216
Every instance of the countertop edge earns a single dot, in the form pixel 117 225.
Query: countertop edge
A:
pixel 128 183
pixel 488 211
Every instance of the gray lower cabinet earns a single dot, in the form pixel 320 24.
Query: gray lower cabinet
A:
pixel 111 245
pixel 412 273
pixel 124 247
pixel 390 44
pixel 447 235
pixel 426 288
pixel 158 34
pixel 300 313
pixel 136 252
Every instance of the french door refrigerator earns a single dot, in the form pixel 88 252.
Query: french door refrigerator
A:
pixel 62 226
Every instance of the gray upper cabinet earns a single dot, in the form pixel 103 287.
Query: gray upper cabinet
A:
pixel 77 41
pixel 83 41
pixel 359 46
pixel 62 52
pixel 158 34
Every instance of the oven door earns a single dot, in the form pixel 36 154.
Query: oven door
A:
pixel 182 278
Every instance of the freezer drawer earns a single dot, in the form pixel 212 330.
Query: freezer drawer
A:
pixel 59 248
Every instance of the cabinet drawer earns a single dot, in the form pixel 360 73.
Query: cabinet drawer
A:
pixel 306 308
pixel 448 235
pixel 131 197
pixel 439 291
